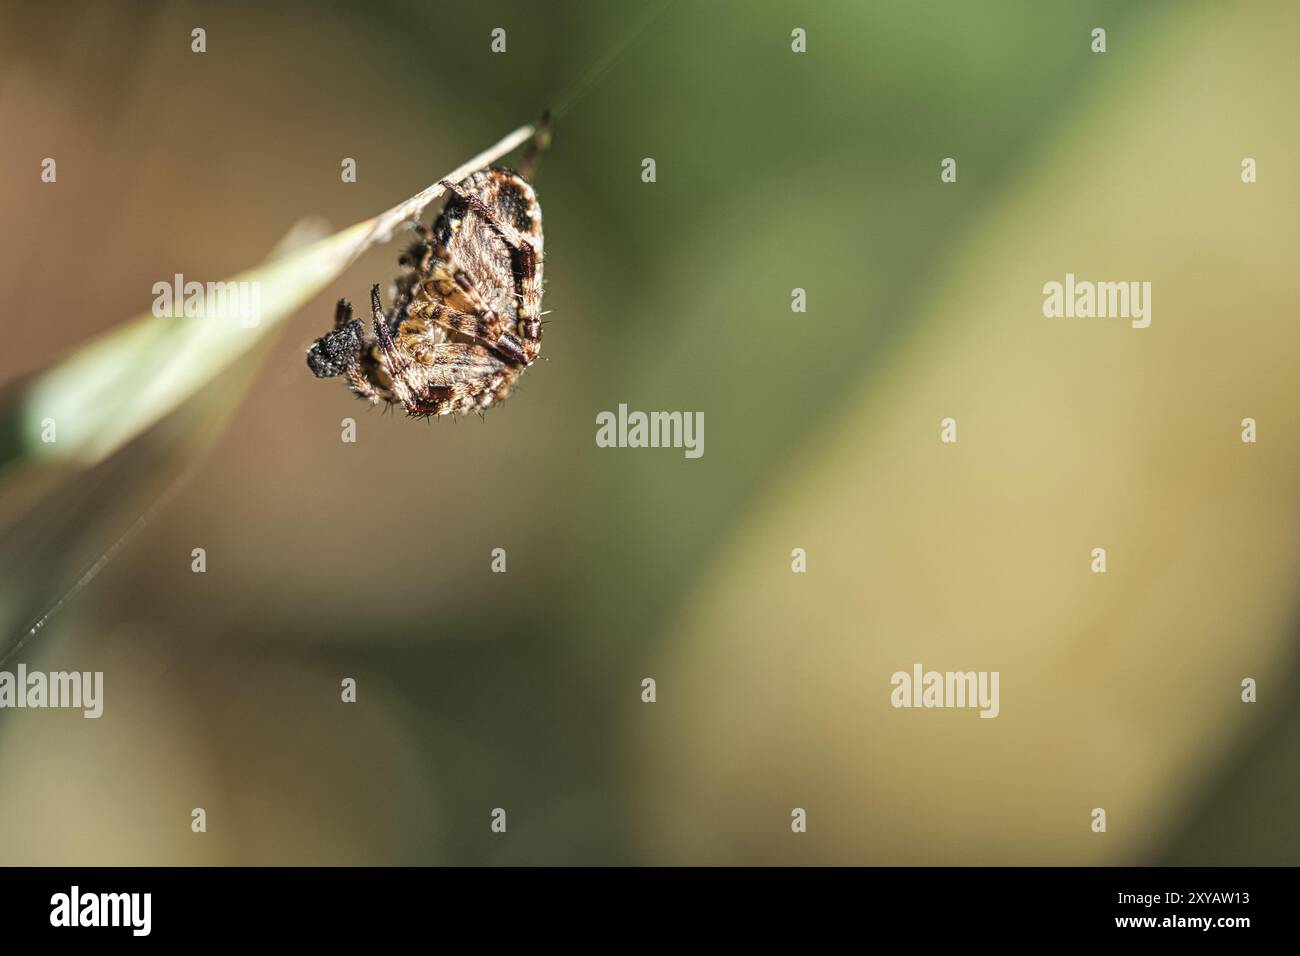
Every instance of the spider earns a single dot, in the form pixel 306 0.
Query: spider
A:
pixel 466 317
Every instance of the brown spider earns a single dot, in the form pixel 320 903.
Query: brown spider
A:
pixel 466 319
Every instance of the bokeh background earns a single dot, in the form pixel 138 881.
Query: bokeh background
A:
pixel 774 171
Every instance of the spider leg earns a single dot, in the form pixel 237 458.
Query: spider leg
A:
pixel 342 313
pixel 533 154
pixel 431 377
pixel 449 282
pixel 455 378
pixel 405 288
pixel 529 325
pixel 527 266
pixel 449 286
pixel 484 326
pixel 362 386
pixel 513 237
pixel 391 358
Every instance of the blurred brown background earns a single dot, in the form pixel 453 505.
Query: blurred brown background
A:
pixel 775 171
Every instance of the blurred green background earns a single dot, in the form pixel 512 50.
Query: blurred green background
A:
pixel 775 170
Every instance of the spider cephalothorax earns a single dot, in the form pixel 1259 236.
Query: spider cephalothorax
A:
pixel 466 318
